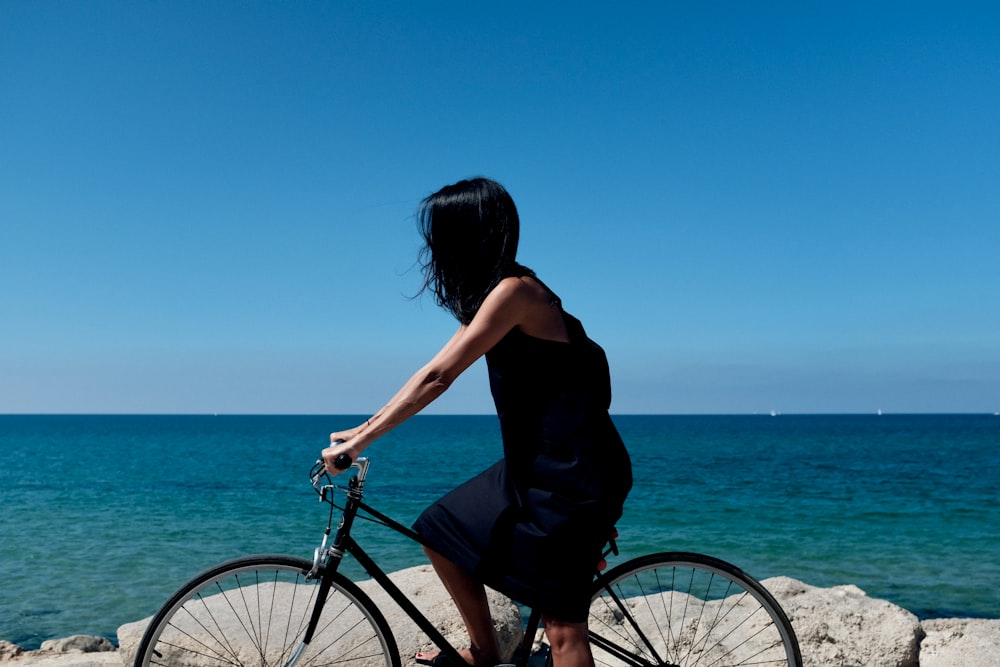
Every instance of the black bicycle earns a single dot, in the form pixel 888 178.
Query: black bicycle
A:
pixel 663 609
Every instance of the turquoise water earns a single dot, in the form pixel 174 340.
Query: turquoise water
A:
pixel 102 517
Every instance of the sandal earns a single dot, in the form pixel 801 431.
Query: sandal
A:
pixel 441 660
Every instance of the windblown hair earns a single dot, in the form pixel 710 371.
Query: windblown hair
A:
pixel 470 231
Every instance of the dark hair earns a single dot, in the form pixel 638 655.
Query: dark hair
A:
pixel 470 232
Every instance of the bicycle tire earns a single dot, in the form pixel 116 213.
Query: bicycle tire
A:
pixel 686 610
pixel 253 612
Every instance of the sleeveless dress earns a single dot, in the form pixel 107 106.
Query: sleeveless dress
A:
pixel 533 525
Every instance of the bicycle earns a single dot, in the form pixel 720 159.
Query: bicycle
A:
pixel 663 609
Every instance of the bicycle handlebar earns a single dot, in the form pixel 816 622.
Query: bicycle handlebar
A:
pixel 322 480
pixel 343 461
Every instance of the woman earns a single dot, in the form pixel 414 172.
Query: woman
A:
pixel 533 525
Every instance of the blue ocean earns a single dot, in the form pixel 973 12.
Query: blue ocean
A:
pixel 102 517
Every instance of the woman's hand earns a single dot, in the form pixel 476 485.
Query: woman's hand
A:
pixel 341 442
pixel 331 453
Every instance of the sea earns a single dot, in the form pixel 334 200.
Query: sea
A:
pixel 103 517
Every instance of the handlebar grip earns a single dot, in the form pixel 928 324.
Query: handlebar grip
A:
pixel 342 462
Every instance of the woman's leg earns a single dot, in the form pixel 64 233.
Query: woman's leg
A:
pixel 568 642
pixel 470 598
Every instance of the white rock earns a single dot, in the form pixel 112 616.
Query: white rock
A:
pixel 961 642
pixel 77 644
pixel 39 659
pixel 9 651
pixel 75 651
pixel 844 627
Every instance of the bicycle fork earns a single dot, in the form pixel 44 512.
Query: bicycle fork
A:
pixel 326 561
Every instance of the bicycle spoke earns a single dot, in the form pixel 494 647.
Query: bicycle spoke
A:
pixel 685 610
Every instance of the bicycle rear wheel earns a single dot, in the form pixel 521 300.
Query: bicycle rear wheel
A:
pixel 682 610
pixel 253 612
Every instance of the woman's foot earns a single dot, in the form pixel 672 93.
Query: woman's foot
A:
pixel 437 659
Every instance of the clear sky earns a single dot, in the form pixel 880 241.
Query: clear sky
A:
pixel 208 206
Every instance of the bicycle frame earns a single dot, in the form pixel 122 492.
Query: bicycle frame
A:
pixel 325 564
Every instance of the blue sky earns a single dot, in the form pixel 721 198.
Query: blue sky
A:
pixel 208 207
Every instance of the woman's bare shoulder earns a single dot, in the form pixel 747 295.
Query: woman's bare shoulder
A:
pixel 524 288
pixel 538 307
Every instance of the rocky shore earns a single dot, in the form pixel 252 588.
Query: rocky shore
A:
pixel 836 627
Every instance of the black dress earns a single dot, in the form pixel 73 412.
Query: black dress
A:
pixel 532 526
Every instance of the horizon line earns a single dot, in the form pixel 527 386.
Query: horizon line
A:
pixel 876 413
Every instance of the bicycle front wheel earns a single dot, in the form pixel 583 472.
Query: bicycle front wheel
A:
pixel 683 610
pixel 253 612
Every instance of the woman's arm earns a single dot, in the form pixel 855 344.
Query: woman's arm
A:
pixel 503 309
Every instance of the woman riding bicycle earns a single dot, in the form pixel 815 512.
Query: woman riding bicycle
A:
pixel 533 525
